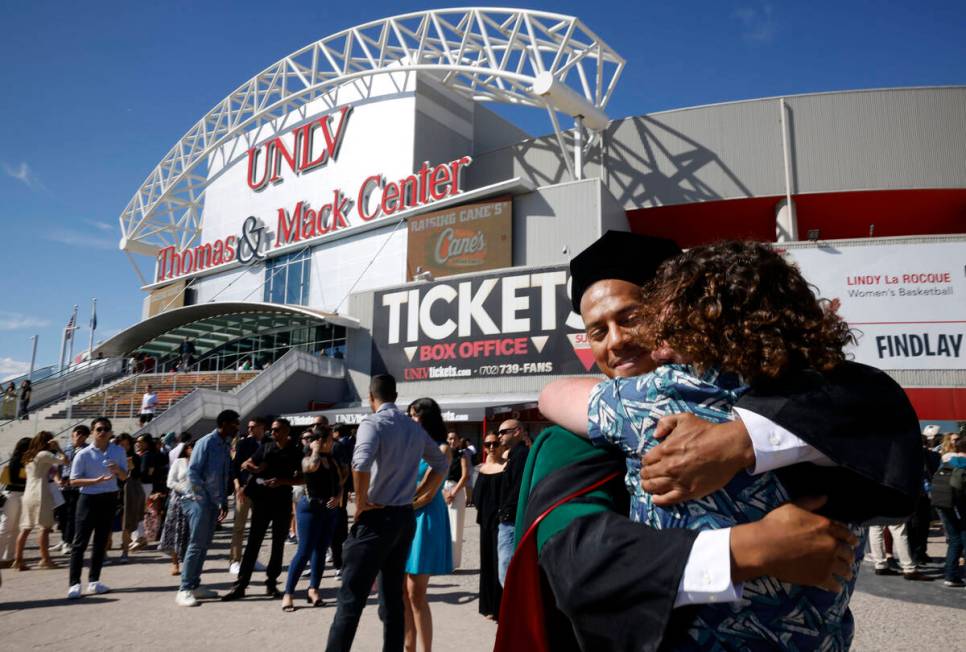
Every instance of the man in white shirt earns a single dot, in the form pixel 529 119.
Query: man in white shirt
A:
pixel 148 404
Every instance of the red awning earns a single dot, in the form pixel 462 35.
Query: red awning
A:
pixel 939 403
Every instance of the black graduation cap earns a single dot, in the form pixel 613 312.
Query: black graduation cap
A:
pixel 618 255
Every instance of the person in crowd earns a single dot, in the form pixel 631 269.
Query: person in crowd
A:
pixel 149 403
pixel 472 456
pixel 949 499
pixel 244 449
pixel 385 465
pixel 275 468
pixel 570 526
pixel 186 351
pixel 68 511
pixel 154 481
pixel 511 434
pixel 26 389
pixel 15 482
pixel 454 493
pixel 486 497
pixel 345 441
pixel 95 471
pixel 921 520
pixel 174 534
pixel 317 512
pixel 132 497
pixel 9 406
pixel 209 474
pixel 431 551
pixel 175 452
pixel 37 509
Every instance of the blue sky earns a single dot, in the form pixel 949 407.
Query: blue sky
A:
pixel 95 93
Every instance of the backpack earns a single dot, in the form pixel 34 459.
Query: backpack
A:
pixel 948 487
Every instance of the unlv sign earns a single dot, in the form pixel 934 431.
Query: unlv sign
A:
pixel 511 323
pixel 303 150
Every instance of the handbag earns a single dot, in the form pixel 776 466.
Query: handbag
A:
pixel 56 493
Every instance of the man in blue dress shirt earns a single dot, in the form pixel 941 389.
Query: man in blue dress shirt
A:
pixel 385 466
pixel 95 472
pixel 209 473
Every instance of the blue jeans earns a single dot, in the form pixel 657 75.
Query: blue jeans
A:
pixel 202 517
pixel 504 548
pixel 955 527
pixel 316 524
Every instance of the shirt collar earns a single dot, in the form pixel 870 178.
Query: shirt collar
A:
pixel 387 406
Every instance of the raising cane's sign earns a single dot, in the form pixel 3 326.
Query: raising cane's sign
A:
pixel 302 150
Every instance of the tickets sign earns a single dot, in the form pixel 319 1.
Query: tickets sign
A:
pixel 510 323
pixel 468 238
pixel 906 302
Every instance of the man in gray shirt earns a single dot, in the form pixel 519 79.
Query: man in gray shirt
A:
pixel 385 465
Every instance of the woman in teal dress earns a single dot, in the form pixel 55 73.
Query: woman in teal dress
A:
pixel 431 552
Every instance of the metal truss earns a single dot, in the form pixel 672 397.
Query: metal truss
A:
pixel 486 54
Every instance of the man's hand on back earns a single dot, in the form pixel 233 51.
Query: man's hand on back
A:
pixel 695 458
pixel 794 545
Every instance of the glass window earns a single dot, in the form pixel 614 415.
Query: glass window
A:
pixel 287 279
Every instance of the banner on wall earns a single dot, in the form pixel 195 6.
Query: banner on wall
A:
pixel 509 323
pixel 468 238
pixel 907 302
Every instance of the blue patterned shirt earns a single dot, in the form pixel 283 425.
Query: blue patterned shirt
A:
pixel 623 412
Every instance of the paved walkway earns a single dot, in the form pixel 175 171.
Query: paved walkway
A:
pixel 891 613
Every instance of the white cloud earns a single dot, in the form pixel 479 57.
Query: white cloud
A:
pixel 12 321
pixel 81 239
pixel 101 226
pixel 10 368
pixel 758 22
pixel 23 174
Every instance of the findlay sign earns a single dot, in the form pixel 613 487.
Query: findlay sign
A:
pixel 375 197
pixel 511 323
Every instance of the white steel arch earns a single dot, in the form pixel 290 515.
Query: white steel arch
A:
pixel 487 54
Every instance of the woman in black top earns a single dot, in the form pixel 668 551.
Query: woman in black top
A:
pixel 10 521
pixel 154 479
pixel 486 497
pixel 315 512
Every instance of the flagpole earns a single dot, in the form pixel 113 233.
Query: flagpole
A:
pixel 73 327
pixel 90 344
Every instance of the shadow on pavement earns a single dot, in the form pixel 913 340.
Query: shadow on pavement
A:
pixel 51 602
pixel 898 588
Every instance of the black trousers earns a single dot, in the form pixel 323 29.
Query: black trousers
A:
pixel 67 514
pixel 95 513
pixel 378 546
pixel 277 511
pixel 918 528
pixel 339 536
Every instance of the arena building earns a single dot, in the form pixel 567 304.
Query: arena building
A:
pixel 357 207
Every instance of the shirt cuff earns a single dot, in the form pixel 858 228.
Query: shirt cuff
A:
pixel 775 447
pixel 707 574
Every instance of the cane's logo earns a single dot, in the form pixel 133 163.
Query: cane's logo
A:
pixel 460 247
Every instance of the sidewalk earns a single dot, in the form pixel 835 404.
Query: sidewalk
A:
pixel 890 612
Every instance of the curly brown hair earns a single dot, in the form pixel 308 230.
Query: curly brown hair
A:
pixel 741 307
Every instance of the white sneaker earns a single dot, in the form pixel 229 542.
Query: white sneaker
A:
pixel 74 592
pixel 97 588
pixel 234 567
pixel 204 593
pixel 185 598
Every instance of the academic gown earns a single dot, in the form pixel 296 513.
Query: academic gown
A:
pixel 584 577
pixel 862 420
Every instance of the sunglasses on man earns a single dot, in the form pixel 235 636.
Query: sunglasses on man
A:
pixel 508 431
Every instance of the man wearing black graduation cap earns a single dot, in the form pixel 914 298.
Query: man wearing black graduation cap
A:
pixel 585 561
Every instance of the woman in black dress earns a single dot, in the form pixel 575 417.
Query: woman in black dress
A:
pixel 486 497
